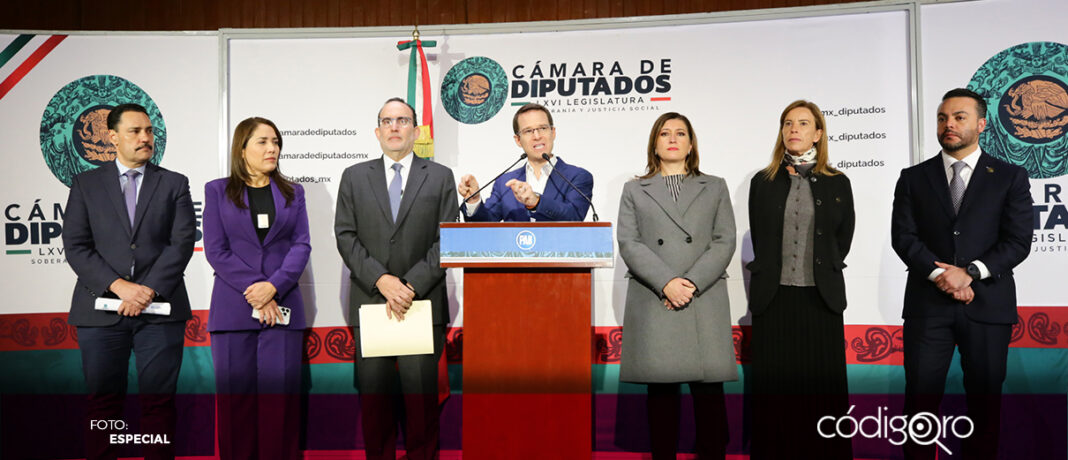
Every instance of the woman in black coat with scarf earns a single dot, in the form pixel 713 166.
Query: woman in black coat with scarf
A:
pixel 801 221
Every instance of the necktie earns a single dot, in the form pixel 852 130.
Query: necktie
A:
pixel 395 190
pixel 956 186
pixel 131 193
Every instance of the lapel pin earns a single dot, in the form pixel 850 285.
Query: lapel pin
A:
pixel 989 169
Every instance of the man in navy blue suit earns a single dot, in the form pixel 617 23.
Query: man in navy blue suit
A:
pixel 961 222
pixel 534 192
pixel 128 233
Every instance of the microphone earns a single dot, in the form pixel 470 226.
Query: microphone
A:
pixel 522 156
pixel 546 157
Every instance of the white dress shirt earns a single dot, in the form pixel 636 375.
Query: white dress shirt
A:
pixel 123 179
pixel 536 184
pixel 406 165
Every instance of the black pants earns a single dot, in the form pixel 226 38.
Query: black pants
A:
pixel 984 349
pixel 710 417
pixel 157 348
pixel 380 381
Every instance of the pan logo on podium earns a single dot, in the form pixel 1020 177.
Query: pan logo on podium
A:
pixel 525 240
pixel 1026 89
pixel 474 90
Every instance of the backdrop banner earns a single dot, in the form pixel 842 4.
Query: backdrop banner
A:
pixel 604 87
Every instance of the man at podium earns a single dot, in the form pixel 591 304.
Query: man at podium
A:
pixel 545 189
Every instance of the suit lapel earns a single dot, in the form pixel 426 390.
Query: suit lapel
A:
pixel 983 172
pixel 281 214
pixel 114 193
pixel 936 175
pixel 416 177
pixel 691 187
pixel 556 187
pixel 378 186
pixel 249 230
pixel 657 190
pixel 149 183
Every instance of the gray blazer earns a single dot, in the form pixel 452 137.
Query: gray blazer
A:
pixel 660 239
pixel 371 244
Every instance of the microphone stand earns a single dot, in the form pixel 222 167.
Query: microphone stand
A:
pixel 553 168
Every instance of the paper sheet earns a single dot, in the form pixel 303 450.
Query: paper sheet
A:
pixel 380 336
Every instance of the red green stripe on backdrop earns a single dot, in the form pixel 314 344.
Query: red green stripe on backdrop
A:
pixel 26 66
pixel 14 47
pixel 1038 327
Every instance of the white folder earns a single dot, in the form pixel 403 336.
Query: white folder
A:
pixel 381 336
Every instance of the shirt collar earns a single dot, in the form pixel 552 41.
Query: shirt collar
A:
pixel 406 162
pixel 123 168
pixel 544 169
pixel 971 160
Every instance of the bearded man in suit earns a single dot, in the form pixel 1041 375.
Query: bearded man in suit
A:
pixel 961 222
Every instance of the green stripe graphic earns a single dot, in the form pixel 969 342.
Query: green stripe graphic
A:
pixel 17 251
pixel 13 48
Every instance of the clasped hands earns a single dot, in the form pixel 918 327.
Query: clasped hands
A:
pixel 135 297
pixel 260 296
pixel 399 295
pixel 956 282
pixel 523 192
pixel 678 293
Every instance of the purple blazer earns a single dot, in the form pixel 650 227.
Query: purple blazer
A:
pixel 239 259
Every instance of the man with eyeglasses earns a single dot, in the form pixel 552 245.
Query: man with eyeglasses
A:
pixel 386 226
pixel 533 192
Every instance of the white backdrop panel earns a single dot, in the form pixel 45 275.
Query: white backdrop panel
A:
pixel 957 40
pixel 732 80
pixel 179 73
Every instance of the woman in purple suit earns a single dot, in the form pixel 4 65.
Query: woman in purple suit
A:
pixel 256 239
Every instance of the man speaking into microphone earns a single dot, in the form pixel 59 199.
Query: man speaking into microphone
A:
pixel 545 189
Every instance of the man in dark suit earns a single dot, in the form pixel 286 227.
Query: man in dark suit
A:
pixel 961 222
pixel 386 224
pixel 534 192
pixel 128 233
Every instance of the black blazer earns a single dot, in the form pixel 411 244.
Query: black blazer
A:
pixel 834 218
pixel 100 245
pixel 994 225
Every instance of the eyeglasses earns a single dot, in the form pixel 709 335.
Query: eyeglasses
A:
pixel 541 130
pixel 401 122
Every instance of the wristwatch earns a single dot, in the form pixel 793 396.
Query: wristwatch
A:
pixel 538 196
pixel 973 271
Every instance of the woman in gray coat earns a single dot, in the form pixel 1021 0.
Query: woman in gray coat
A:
pixel 676 235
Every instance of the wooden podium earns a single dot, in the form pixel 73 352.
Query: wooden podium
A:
pixel 527 335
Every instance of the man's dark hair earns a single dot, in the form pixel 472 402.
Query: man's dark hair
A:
pixel 116 113
pixel 528 108
pixel 415 118
pixel 980 103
